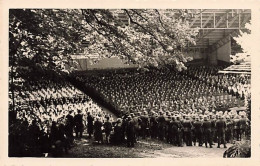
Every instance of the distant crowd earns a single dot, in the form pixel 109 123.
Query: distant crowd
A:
pixel 187 108
pixel 196 88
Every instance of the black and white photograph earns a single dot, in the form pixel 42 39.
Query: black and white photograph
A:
pixel 129 83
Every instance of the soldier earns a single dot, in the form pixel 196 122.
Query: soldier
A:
pixel 243 126
pixel 179 136
pixel 198 131
pixel 116 138
pixel 69 126
pixel 174 128
pixel 34 134
pixel 98 131
pixel 161 126
pixel 130 132
pixel 236 128
pixel 90 124
pixel 213 125
pixel 135 121
pixel 78 120
pixel 220 128
pixel 193 129
pixel 207 132
pixel 229 131
pixel 187 131
pixel 144 125
pixel 154 125
pixel 107 128
pixel 138 125
pixel 169 134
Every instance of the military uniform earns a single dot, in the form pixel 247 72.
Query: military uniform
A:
pixel 243 127
pixel 229 131
pixel 169 134
pixel 78 120
pixel 161 127
pixel 220 128
pixel 130 133
pixel 198 132
pixel 176 131
pixel 90 124
pixel 187 126
pixel 237 134
pixel 154 126
pixel 207 129
pixel 144 125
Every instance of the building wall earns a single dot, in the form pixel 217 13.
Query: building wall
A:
pixel 224 52
pixel 197 55
pixel 107 63
pixel 110 63
pixel 212 58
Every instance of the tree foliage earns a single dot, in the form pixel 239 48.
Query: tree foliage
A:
pixel 45 38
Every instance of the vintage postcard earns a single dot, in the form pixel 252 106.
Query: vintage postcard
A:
pixel 122 82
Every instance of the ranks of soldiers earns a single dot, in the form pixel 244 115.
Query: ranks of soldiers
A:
pixel 184 129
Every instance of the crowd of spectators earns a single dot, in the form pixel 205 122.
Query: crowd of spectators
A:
pixel 146 98
pixel 198 88
pixel 41 103
pixel 236 84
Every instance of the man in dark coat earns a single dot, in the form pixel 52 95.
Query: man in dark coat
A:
pixel 236 122
pixel 107 128
pixel 69 127
pixel 78 121
pixel 98 131
pixel 179 131
pixel 130 132
pixel 90 120
pixel 154 126
pixel 221 128
pixel 161 126
pixel 144 124
pixel 61 137
pixel 207 129
pixel 187 131
pixel 169 133
pixel 34 135
pixel 229 131
pixel 116 138
pixel 54 132
pixel 243 126
pixel 198 131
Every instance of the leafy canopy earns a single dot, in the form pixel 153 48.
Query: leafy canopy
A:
pixel 45 38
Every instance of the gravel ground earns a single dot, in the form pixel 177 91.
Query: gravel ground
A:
pixel 86 148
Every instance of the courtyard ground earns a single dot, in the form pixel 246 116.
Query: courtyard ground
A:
pixel 86 148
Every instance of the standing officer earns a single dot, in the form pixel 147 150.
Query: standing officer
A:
pixel 169 134
pixel 229 131
pixel 130 132
pixel 90 124
pixel 221 128
pixel 154 125
pixel 237 128
pixel 144 124
pixel 198 131
pixel 69 126
pixel 161 126
pixel 207 132
pixel 187 131
pixel 213 120
pixel 174 128
pixel 243 126
pixel 78 120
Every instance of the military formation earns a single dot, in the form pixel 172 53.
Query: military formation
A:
pixel 175 128
pixel 182 129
